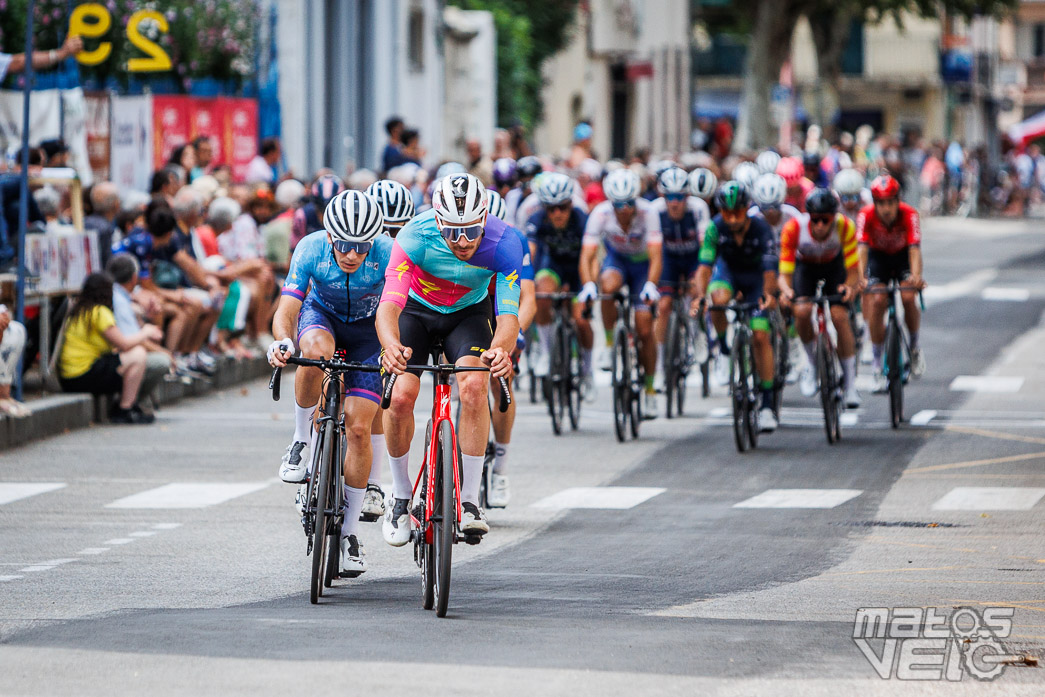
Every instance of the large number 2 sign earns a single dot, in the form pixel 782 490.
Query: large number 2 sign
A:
pixel 92 20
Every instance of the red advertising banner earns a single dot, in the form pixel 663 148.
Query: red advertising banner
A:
pixel 231 123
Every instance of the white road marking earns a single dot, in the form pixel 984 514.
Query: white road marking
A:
pixel 92 550
pixel 166 526
pixel 143 533
pixel 850 418
pixel 13 491
pixel 800 498
pixel 618 497
pixel 923 417
pixel 1005 294
pixel 9 577
pixel 986 383
pixel 956 289
pixel 46 565
pixel 720 412
pixel 118 541
pixel 188 495
pixel 992 498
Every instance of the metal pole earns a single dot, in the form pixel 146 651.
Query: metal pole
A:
pixel 23 194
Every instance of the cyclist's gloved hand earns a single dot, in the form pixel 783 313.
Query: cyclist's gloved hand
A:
pixel 520 341
pixel 588 292
pixel 279 352
pixel 649 293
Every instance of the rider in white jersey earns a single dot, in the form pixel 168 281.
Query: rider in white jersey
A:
pixel 768 193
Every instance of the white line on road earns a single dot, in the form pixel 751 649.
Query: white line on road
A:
pixel 143 533
pixel 923 417
pixel 46 565
pixel 92 550
pixel 166 526
pixel 188 495
pixel 618 497
pixel 1018 295
pixel 956 289
pixel 118 541
pixel 9 577
pixel 986 383
pixel 799 498
pixel 13 491
pixel 991 498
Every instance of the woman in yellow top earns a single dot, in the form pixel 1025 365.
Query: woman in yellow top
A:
pixel 98 358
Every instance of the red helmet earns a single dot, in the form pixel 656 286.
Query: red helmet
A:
pixel 884 187
pixel 791 169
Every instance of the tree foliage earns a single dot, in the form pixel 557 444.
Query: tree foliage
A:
pixel 528 32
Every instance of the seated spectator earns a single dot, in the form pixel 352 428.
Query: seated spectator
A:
pixel 165 184
pixel 243 247
pixel 262 169
pixel 182 161
pixel 105 204
pixel 56 152
pixel 12 344
pixel 49 201
pixel 99 358
pixel 277 232
pixel 159 362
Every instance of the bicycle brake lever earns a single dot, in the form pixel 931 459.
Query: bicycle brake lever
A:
pixel 506 396
pixel 386 394
pixel 274 383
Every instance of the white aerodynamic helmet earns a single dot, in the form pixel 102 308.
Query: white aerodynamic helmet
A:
pixel 555 188
pixel 703 183
pixel 621 185
pixel 673 181
pixel 769 190
pixel 353 216
pixel 496 205
pixel 396 201
pixel 848 182
pixel 459 199
pixel 746 173
pixel 767 161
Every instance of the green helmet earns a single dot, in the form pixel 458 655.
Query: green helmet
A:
pixel 732 196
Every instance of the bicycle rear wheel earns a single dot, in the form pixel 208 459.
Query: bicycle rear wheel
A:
pixel 670 364
pixel 635 391
pixel 683 356
pixel 621 386
pixel 445 518
pixel 751 381
pixel 572 386
pixel 828 391
pixel 894 373
pixel 553 384
pixel 319 532
pixel 738 389
pixel 782 361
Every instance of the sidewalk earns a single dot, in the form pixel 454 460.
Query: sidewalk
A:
pixel 58 413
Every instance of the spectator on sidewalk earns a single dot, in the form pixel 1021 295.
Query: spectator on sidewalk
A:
pixel 105 200
pixel 276 234
pixel 12 345
pixel 164 185
pixel 392 155
pixel 479 165
pixel 99 358
pixel 159 362
pixel 204 157
pixel 262 169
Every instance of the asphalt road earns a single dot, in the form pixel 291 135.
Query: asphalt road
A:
pixel 683 592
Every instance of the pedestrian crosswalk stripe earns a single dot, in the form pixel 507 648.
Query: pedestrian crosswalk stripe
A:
pixel 9 577
pixel 799 498
pixel 1005 294
pixel 986 383
pixel 616 497
pixel 13 491
pixel 188 495
pixel 92 550
pixel 923 417
pixel 119 541
pixel 990 498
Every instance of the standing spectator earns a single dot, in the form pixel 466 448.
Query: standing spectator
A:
pixel 158 362
pixel 182 161
pixel 392 156
pixel 99 358
pixel 479 165
pixel 164 185
pixel 412 152
pixel 204 157
pixel 581 149
pixel 49 201
pixel 12 344
pixel 262 169
pixel 56 153
pixel 15 63
pixel 105 200
pixel 309 217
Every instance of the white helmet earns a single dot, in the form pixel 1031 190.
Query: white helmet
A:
pixel 769 190
pixel 746 173
pixel 621 185
pixel 396 201
pixel 353 216
pixel 555 188
pixel 767 161
pixel 848 182
pixel 496 205
pixel 448 168
pixel 459 199
pixel 673 181
pixel 703 183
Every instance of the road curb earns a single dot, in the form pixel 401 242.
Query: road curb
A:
pixel 59 413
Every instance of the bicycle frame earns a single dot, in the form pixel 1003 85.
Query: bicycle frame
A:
pixel 440 413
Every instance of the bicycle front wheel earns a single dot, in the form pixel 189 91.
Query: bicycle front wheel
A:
pixel 739 394
pixel 574 370
pixel 322 498
pixel 828 391
pixel 894 374
pixel 621 386
pixel 553 384
pixel 444 517
pixel 669 361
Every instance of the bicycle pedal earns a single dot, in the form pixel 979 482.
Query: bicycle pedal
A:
pixel 349 574
pixel 470 539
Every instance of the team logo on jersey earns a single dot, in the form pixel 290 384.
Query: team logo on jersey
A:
pixel 512 278
pixel 427 286
pixel 403 268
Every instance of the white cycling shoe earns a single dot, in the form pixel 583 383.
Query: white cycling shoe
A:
pixel 498 494
pixel 766 420
pixel 720 370
pixel 293 468
pixel 473 520
pixel 807 381
pixel 853 400
pixel 373 503
pixel 353 558
pixel 396 527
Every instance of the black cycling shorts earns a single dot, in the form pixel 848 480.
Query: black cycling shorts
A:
pixel 467 332
pixel 882 267
pixel 807 276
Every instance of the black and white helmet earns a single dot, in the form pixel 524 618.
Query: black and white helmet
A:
pixel 673 180
pixel 396 201
pixel 621 185
pixel 555 188
pixel 459 199
pixel 353 216
pixel 703 183
pixel 496 205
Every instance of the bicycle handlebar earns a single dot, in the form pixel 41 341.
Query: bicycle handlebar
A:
pixel 447 369
pixel 332 365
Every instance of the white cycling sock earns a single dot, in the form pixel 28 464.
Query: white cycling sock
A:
pixel 810 347
pixel 377 456
pixel 544 336
pixel 402 487
pixel 848 371
pixel 471 478
pixel 660 359
pixel 353 507
pixel 303 428
pixel 500 457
